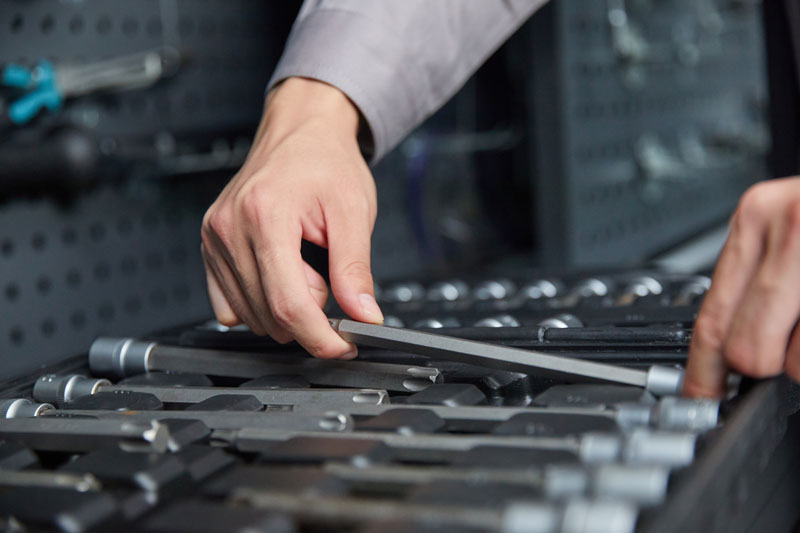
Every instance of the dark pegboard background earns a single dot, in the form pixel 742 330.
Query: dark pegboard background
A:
pixel 640 148
pixel 231 47
pixel 122 258
pixel 116 262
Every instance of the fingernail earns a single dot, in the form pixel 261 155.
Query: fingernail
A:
pixel 350 355
pixel 370 308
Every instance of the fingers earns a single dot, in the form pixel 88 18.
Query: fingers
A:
pixel 222 309
pixel 762 326
pixel 706 369
pixel 317 285
pixel 349 257
pixel 287 282
pixel 232 291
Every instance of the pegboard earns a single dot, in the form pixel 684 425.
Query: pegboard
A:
pixel 649 123
pixel 116 262
pixel 122 258
pixel 230 48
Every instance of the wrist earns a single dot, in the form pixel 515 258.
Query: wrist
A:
pixel 297 101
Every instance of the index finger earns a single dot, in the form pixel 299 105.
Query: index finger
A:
pixel 706 371
pixel 288 293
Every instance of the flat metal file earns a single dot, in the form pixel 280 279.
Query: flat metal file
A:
pixel 659 380
pixel 122 357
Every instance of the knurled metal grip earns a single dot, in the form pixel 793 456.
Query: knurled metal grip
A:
pixel 22 408
pixel 120 357
pixel 52 388
pixel 664 380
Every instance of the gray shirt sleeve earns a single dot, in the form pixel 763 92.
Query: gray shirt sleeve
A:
pixel 397 60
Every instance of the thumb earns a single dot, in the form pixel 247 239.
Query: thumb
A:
pixel 349 266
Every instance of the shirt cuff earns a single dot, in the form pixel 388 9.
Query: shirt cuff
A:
pixel 352 52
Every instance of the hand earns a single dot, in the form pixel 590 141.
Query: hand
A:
pixel 304 178
pixel 748 320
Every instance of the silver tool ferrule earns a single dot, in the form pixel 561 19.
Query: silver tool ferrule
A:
pixel 120 357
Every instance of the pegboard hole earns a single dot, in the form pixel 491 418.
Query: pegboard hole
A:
pixel 11 292
pixel 48 327
pixel 43 285
pixel 73 278
pixel 7 248
pixel 76 25
pixel 16 336
pixel 38 241
pixel 17 23
pixel 69 236
pixel 47 24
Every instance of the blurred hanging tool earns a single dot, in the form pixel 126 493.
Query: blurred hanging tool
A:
pixel 28 91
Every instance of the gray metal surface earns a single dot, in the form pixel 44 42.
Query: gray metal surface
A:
pixel 659 380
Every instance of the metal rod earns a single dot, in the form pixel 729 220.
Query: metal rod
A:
pixel 331 399
pixel 65 388
pixel 284 420
pixel 121 357
pixel 640 447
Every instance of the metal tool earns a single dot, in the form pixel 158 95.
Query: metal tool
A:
pixel 121 357
pixel 78 435
pixel 640 447
pixel 641 485
pixel 22 408
pixel 45 479
pixel 61 389
pixel 289 421
pixel 657 379
pixel 677 414
pixel 47 86
pixel 577 516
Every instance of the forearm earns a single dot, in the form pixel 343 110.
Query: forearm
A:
pixel 397 60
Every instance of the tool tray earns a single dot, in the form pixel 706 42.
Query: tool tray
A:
pixel 474 450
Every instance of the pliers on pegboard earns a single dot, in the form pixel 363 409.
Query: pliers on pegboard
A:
pixel 47 86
